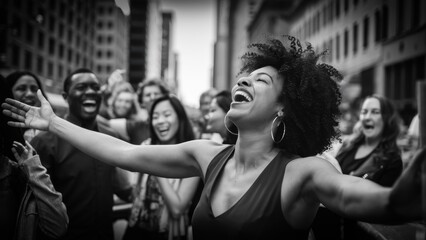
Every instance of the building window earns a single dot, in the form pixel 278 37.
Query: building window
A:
pixel 69 36
pixel 99 53
pixel 52 5
pixel 109 39
pixel 69 56
pixel 324 15
pixel 29 36
pixel 109 54
pixel 70 17
pixel 51 24
pixel 51 46
pixel 50 69
pixel 61 50
pixel 77 41
pixel 100 39
pixel 330 47
pixel 366 31
pixel 400 17
pixel 100 10
pixel 337 7
pixel 40 64
pixel 346 5
pixel 16 51
pixel 28 61
pixel 416 11
pixel 99 69
pixel 385 22
pixel 346 43
pixel 100 25
pixel 62 9
pixel 108 69
pixel 378 25
pixel 61 30
pixel 355 38
pixel 60 71
pixel 110 24
pixel 40 40
pixel 337 47
pixel 16 27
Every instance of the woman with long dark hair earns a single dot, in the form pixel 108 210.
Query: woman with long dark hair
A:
pixel 160 207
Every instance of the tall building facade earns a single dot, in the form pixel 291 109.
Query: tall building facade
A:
pixel 49 38
pixel 112 32
pixel 232 37
pixel 379 46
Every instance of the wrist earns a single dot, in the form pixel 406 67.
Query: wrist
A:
pixel 51 123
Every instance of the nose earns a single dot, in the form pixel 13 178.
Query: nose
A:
pixel 244 81
pixel 29 92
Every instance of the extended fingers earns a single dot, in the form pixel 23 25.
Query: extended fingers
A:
pixel 13 115
pixel 17 104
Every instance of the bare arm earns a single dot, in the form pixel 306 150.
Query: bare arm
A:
pixel 179 200
pixel 365 200
pixel 173 161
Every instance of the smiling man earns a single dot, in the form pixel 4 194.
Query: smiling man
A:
pixel 86 183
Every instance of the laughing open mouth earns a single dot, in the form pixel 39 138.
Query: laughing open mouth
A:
pixel 242 96
pixel 89 105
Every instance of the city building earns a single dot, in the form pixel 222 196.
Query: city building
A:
pixel 379 46
pixel 112 32
pixel 51 38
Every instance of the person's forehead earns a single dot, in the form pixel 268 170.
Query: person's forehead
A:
pixel 152 88
pixel 371 103
pixel 26 79
pixel 163 106
pixel 83 78
pixel 125 95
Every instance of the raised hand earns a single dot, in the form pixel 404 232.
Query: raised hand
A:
pixel 28 116
pixel 405 200
pixel 22 152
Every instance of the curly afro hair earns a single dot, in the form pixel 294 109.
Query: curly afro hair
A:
pixel 310 93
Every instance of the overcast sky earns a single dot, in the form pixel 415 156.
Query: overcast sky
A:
pixel 193 40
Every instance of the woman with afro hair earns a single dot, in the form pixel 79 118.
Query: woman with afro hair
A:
pixel 270 184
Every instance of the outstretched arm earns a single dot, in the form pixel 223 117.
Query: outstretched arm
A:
pixel 173 161
pixel 365 200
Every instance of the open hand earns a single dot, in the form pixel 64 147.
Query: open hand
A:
pixel 29 116
pixel 22 152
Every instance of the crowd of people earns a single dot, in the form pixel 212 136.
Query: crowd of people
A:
pixel 273 129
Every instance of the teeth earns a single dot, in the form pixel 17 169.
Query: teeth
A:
pixel 89 102
pixel 243 94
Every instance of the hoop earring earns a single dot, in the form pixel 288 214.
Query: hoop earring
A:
pixel 278 128
pixel 232 126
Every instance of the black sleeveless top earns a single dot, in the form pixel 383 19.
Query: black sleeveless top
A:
pixel 257 215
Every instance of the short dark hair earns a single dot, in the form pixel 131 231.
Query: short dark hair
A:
pixel 67 81
pixel 310 93
pixel 185 131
